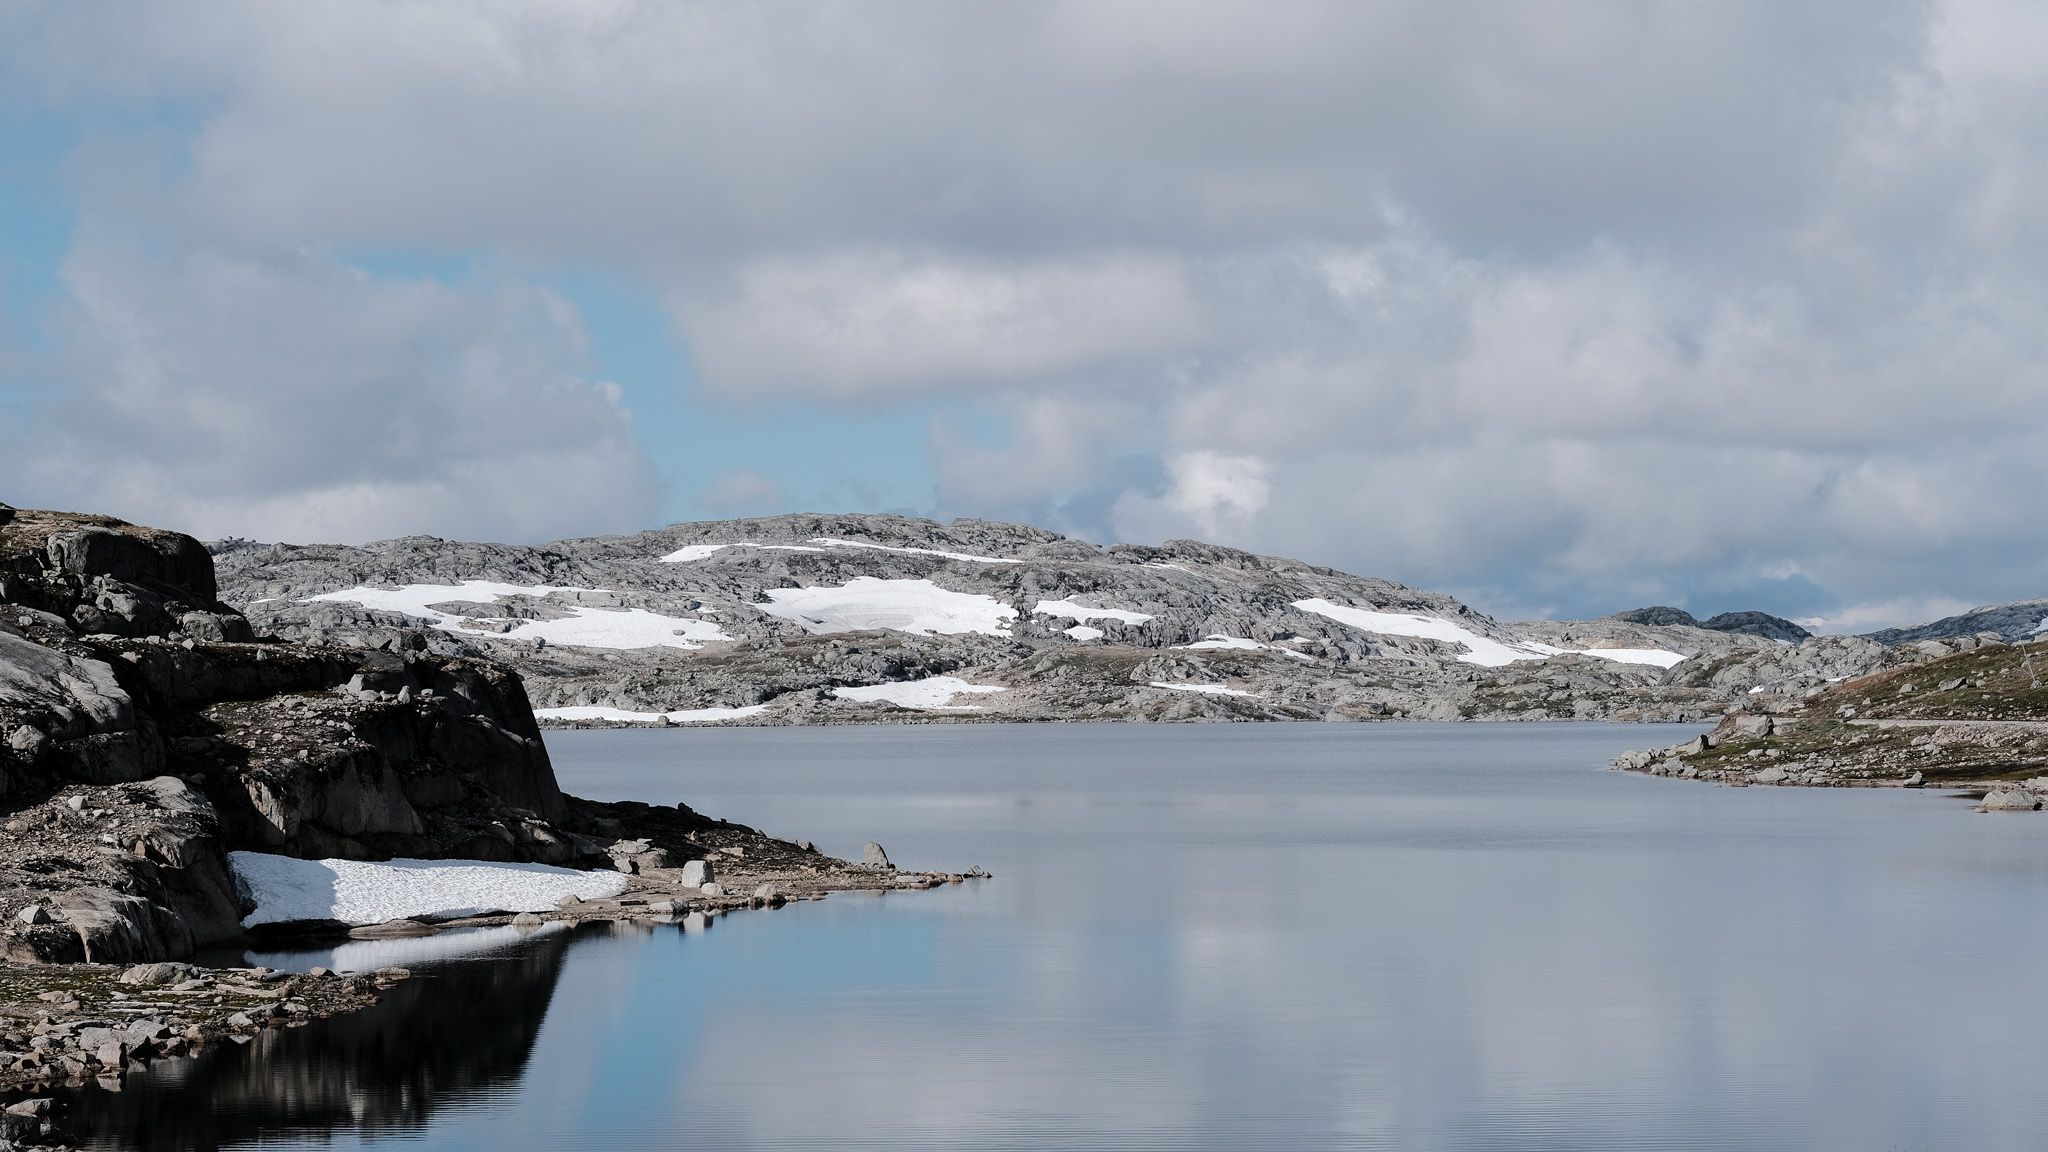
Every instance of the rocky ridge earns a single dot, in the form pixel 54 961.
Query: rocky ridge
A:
pixel 1070 630
pixel 1972 715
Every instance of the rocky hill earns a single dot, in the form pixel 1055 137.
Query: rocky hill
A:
pixel 834 619
pixel 1972 714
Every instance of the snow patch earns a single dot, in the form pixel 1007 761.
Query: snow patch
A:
pixel 1084 632
pixel 1068 610
pixel 689 552
pixel 1243 643
pixel 1478 649
pixel 679 716
pixel 359 892
pixel 964 556
pixel 933 693
pixel 1654 656
pixel 1204 689
pixel 622 628
pixel 867 602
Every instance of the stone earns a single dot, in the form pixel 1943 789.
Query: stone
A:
pixel 713 889
pixel 1771 775
pixel 75 803
pixel 33 914
pixel 661 907
pixel 767 892
pixel 155 974
pixel 697 873
pixel 1916 780
pixel 2009 800
pixel 872 854
pixel 112 1054
pixel 527 920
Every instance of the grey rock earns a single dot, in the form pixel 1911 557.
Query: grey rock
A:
pixel 697 873
pixel 527 920
pixel 32 915
pixel 1771 775
pixel 158 973
pixel 712 889
pixel 2009 800
pixel 872 853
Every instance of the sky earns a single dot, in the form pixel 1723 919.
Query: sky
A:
pixel 1562 309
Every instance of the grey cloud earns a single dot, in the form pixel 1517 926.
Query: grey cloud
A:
pixel 295 398
pixel 1578 307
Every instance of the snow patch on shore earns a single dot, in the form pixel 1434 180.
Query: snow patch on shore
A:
pixel 358 892
pixel 867 602
pixel 619 628
pixel 933 693
pixel 679 716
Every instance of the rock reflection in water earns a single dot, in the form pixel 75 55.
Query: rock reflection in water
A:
pixel 436 1040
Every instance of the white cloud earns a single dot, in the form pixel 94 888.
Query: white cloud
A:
pixel 883 322
pixel 298 398
pixel 1573 306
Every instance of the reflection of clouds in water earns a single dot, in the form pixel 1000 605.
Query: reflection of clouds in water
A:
pixel 406 951
pixel 1483 943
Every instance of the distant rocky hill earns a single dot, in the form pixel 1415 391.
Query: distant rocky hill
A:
pixel 2019 621
pixel 835 619
pixel 1761 624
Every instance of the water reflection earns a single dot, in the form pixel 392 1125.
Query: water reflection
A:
pixel 1304 937
pixel 434 1041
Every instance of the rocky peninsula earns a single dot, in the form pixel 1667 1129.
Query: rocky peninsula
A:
pixel 159 758
pixel 1971 715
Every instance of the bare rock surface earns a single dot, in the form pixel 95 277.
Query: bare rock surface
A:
pixel 1185 631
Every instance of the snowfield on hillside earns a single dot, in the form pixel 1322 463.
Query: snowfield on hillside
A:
pixel 358 892
pixel 585 627
pixel 1481 650
pixel 1204 689
pixel 967 557
pixel 1243 644
pixel 689 552
pixel 1068 610
pixel 867 602
pixel 933 693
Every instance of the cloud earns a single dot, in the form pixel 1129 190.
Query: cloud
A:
pixel 1571 309
pixel 1215 492
pixel 300 398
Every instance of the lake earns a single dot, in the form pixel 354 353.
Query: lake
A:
pixel 1392 936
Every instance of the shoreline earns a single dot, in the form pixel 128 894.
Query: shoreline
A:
pixel 64 1024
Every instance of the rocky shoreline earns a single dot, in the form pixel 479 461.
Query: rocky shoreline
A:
pixel 150 741
pixel 1971 718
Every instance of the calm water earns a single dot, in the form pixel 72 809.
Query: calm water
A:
pixel 1370 936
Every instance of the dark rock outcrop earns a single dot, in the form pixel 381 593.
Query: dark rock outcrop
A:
pixel 145 732
pixel 1756 624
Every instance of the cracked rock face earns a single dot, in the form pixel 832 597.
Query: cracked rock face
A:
pixel 765 621
pixel 145 731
